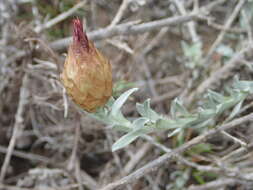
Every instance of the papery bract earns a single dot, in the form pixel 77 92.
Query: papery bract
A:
pixel 87 74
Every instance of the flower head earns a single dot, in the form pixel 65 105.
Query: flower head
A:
pixel 87 74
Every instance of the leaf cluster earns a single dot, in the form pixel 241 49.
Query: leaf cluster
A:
pixel 180 118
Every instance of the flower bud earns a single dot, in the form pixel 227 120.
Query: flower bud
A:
pixel 87 74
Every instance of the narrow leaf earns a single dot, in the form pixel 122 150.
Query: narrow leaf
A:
pixel 177 107
pixel 174 132
pixel 121 100
pixel 235 110
pixel 139 123
pixel 145 111
pixel 125 140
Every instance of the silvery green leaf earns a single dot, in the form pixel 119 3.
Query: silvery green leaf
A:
pixel 122 128
pixel 193 52
pixel 139 123
pixel 201 109
pixel 150 113
pixel 200 121
pixel 246 15
pixel 119 119
pixel 177 107
pixel 205 114
pixel 185 122
pixel 225 50
pixel 246 86
pixel 145 110
pixel 230 102
pixel 172 124
pixel 126 140
pixel 234 93
pixel 235 111
pixel 166 124
pixel 110 102
pixel 221 107
pixel 174 132
pixel 210 104
pixel 216 96
pixel 204 123
pixel 121 100
pixel 101 115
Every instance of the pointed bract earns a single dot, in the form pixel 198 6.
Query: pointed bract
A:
pixel 87 74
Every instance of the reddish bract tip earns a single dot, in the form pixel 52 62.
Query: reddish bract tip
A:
pixel 79 36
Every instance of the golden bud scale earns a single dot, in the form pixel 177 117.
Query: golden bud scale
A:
pixel 87 74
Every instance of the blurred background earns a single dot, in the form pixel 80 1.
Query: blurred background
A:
pixel 47 142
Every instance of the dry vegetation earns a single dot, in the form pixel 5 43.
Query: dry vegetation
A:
pixel 167 48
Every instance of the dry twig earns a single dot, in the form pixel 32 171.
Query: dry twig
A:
pixel 219 74
pixel 152 166
pixel 18 126
pixel 59 17
pixel 128 29
pixel 222 33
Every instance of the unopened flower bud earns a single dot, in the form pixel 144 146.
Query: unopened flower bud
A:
pixel 87 74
